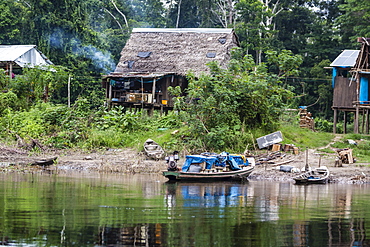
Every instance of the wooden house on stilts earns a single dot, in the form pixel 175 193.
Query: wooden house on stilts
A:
pixel 154 59
pixel 351 73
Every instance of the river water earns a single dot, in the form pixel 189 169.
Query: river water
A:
pixel 90 209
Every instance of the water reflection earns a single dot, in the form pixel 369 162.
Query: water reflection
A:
pixel 217 194
pixel 106 210
pixel 318 215
pixel 131 235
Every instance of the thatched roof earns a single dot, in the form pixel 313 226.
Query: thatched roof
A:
pixel 156 50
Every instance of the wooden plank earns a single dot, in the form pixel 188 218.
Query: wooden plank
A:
pixel 276 147
pixel 344 92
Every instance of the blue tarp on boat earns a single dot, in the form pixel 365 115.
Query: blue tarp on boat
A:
pixel 215 160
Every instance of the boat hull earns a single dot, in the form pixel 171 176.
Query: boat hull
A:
pixel 311 181
pixel 153 150
pixel 200 176
pixel 316 176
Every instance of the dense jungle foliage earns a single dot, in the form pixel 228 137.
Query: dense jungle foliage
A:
pixel 285 45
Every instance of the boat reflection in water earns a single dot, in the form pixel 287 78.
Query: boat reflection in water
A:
pixel 212 194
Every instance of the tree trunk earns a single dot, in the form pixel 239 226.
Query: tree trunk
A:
pixel 178 14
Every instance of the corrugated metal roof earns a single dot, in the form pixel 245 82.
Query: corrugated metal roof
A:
pixel 23 55
pixel 182 30
pixel 9 53
pixel 346 59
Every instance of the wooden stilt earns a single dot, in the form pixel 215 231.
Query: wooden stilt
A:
pixel 356 128
pixel 335 121
pixel 367 121
pixel 151 111
pixel 363 121
pixel 345 123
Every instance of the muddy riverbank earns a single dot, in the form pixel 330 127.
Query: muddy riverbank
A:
pixel 127 161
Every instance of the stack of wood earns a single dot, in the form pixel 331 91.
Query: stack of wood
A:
pixel 344 157
pixel 305 119
pixel 268 157
pixel 285 148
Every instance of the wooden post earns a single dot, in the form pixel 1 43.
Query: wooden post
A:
pixel 151 111
pixel 367 121
pixel 363 121
pixel 153 90
pixel 306 167
pixel 142 94
pixel 110 92
pixel 10 71
pixel 69 91
pixel 356 128
pixel 345 123
pixel 335 121
pixel 110 96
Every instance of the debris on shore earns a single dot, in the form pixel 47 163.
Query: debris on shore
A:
pixel 126 161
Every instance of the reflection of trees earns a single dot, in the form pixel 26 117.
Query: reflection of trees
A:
pixel 210 214
pixel 329 217
pixel 303 233
pixel 275 214
pixel 131 235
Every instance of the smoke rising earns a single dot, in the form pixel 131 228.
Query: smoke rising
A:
pixel 102 60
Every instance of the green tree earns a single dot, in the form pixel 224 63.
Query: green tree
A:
pixel 257 25
pixel 285 62
pixel 12 20
pixel 354 22
pixel 221 108
pixel 37 84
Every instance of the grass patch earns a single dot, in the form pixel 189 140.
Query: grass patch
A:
pixel 360 150
pixel 326 150
pixel 305 138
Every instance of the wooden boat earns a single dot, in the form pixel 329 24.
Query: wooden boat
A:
pixel 212 167
pixel 45 162
pixel 153 150
pixel 319 175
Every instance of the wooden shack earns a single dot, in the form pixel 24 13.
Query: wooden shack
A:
pixel 154 59
pixel 350 80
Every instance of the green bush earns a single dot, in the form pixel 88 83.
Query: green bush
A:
pixel 109 138
pixel 222 107
pixel 117 118
pixel 26 124
pixel 327 126
pixel 8 100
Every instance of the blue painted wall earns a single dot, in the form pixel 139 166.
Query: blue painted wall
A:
pixel 334 74
pixel 364 89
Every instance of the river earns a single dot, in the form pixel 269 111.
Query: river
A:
pixel 92 209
